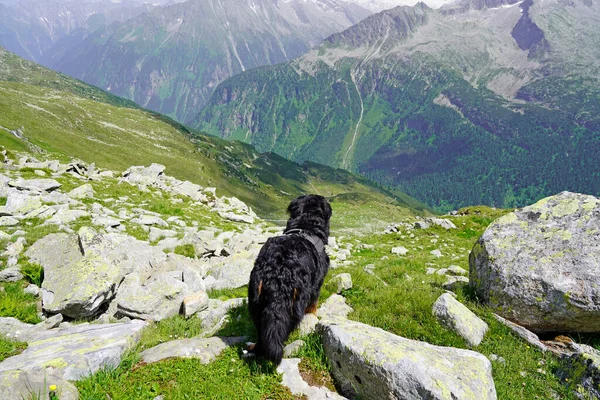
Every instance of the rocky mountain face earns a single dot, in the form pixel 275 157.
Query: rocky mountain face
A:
pixel 43 31
pixel 492 102
pixel 171 59
pixel 380 5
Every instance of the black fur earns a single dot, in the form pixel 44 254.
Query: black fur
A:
pixel 288 274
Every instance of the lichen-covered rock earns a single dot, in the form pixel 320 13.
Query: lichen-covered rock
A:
pixel 444 223
pixel 455 316
pixel 75 284
pixel 293 348
pixel 12 274
pixel 308 324
pixel 583 367
pixel 8 221
pixel 154 299
pixel 205 350
pixel 19 385
pixel 335 306
pixel 342 282
pixel 372 363
pixel 35 185
pixel 18 202
pixel 144 175
pixel 82 192
pixel 81 272
pixel 215 316
pixel 234 271
pixel 540 266
pixel 452 282
pixel 194 303
pixel 78 351
pixel 65 216
pixel 292 379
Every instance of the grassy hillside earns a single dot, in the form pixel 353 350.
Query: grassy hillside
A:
pixel 66 118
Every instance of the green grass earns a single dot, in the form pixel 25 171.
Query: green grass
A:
pixel 34 273
pixel 226 294
pixel 186 250
pixel 9 348
pixel 15 303
pixel 404 306
pixel 229 377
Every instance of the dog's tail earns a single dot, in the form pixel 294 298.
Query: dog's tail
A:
pixel 274 331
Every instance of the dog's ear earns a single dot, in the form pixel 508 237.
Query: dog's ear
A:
pixel 296 207
pixel 327 211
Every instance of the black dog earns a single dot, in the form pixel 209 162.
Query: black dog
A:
pixel 288 274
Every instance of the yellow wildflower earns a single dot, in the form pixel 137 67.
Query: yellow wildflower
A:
pixel 52 388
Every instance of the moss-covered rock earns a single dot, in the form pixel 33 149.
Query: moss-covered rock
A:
pixel 19 385
pixel 540 266
pixel 455 316
pixel 371 363
pixel 76 352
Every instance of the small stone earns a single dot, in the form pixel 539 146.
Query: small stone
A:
pixel 400 250
pixel 195 303
pixel 455 316
pixel 32 289
pixel 342 282
pixel 8 221
pixel 456 270
pixel 293 348
pixel 335 306
pixel 12 274
pixel 436 253
pixel 454 281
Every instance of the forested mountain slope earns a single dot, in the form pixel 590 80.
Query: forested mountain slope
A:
pixel 493 102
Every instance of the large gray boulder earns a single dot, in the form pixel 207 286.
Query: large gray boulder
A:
pixel 76 352
pixel 18 202
pixel 144 175
pixel 540 266
pixel 159 297
pixel 371 363
pixel 75 284
pixel 82 272
pixel 35 185
pixel 234 271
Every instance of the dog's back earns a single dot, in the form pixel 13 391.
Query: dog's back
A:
pixel 287 276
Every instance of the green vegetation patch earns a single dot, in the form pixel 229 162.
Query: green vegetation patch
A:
pixel 229 377
pixel 9 348
pixel 18 304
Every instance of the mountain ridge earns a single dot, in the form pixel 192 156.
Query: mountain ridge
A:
pixel 447 105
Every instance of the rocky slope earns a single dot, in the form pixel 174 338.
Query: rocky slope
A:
pixel 490 102
pixel 171 59
pixel 132 267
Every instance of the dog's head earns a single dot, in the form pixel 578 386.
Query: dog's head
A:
pixel 310 204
